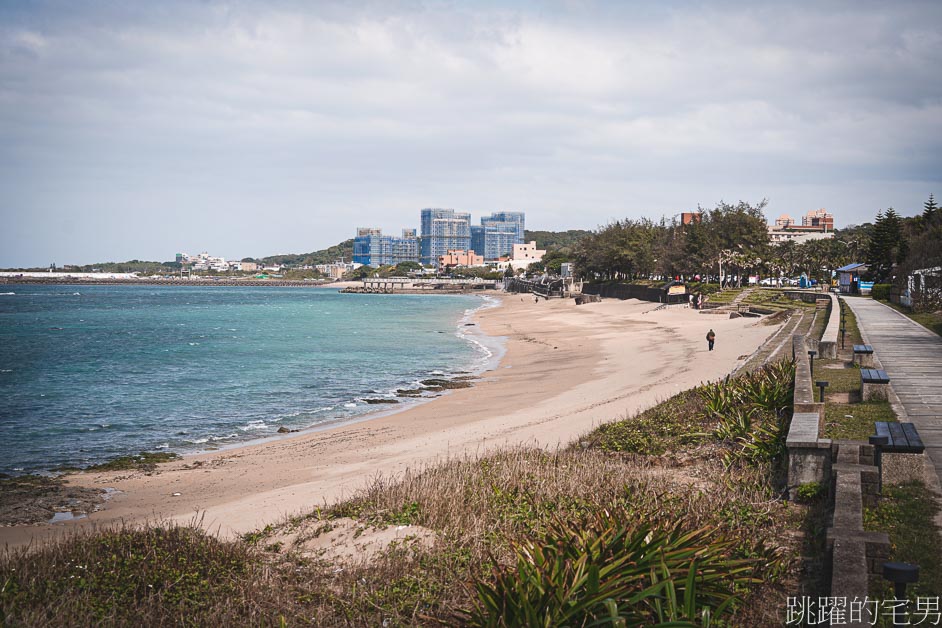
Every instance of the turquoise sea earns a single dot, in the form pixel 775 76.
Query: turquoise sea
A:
pixel 88 373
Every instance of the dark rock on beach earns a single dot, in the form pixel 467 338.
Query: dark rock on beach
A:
pixel 32 499
pixel 375 401
pixel 447 383
pixel 413 392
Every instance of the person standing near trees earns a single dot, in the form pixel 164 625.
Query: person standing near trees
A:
pixel 711 337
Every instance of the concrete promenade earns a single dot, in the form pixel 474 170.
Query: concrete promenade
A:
pixel 912 357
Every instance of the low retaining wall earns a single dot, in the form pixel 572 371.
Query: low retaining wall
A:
pixel 809 457
pixel 857 556
pixel 808 296
pixel 827 347
pixel 633 291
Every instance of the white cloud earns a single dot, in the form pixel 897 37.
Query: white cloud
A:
pixel 336 115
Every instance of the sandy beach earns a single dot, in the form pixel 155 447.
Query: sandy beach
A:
pixel 567 368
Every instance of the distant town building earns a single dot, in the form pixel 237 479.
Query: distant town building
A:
pixel 689 218
pixel 522 256
pixel 815 225
pixel 459 258
pixel 497 234
pixel 798 234
pixel 567 269
pixel 337 270
pixel 818 218
pixel 444 230
pixel 372 248
pixel 203 262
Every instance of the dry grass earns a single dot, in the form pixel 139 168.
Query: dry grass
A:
pixel 444 528
pixel 476 508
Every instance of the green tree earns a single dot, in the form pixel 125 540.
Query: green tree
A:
pixel 734 236
pixel 888 247
pixel 930 210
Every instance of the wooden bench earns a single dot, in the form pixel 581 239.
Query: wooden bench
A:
pixel 863 356
pixel 874 376
pixel 874 385
pixel 903 437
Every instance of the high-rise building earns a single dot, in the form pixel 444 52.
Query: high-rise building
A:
pixel 818 218
pixel 444 230
pixel 477 239
pixel 372 248
pixel 497 234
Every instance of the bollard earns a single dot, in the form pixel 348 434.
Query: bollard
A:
pixel 843 330
pixel 900 574
pixel 811 355
pixel 822 385
pixel 879 442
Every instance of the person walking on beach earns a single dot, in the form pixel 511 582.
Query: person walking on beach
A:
pixel 710 338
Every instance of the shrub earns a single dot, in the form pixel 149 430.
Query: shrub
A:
pixel 881 291
pixel 810 491
pixel 607 573
pixel 120 576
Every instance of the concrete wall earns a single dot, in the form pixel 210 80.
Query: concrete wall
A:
pixel 827 348
pixel 809 457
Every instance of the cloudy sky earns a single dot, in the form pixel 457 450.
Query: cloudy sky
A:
pixel 136 130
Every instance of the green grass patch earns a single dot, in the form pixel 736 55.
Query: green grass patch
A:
pixel 668 426
pixel 725 296
pixel 852 333
pixel 840 378
pixel 906 513
pixel 144 461
pixel 820 322
pixel 855 421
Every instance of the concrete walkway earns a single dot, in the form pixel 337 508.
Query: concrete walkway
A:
pixel 912 357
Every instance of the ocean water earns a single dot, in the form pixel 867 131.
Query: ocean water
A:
pixel 88 373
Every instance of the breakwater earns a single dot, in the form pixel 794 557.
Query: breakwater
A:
pixel 405 285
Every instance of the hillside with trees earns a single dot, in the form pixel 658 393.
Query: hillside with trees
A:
pixel 343 250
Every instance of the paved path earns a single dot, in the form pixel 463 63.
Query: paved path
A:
pixel 912 357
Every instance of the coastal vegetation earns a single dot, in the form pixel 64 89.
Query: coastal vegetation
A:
pixel 727 243
pixel 608 530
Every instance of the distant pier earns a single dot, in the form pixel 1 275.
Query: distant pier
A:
pixel 405 285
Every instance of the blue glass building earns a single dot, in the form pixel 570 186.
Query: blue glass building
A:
pixel 497 234
pixel 372 248
pixel 444 230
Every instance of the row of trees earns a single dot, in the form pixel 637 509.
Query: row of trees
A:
pixel 901 247
pixel 728 243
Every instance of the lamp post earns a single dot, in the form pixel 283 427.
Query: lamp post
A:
pixel 822 386
pixel 811 355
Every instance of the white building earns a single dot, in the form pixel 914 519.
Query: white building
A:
pixel 523 255
pixel 338 269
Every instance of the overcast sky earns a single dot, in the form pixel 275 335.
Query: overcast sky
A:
pixel 140 129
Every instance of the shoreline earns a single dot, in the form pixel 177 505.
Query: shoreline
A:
pixel 348 404
pixel 489 362
pixel 566 369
